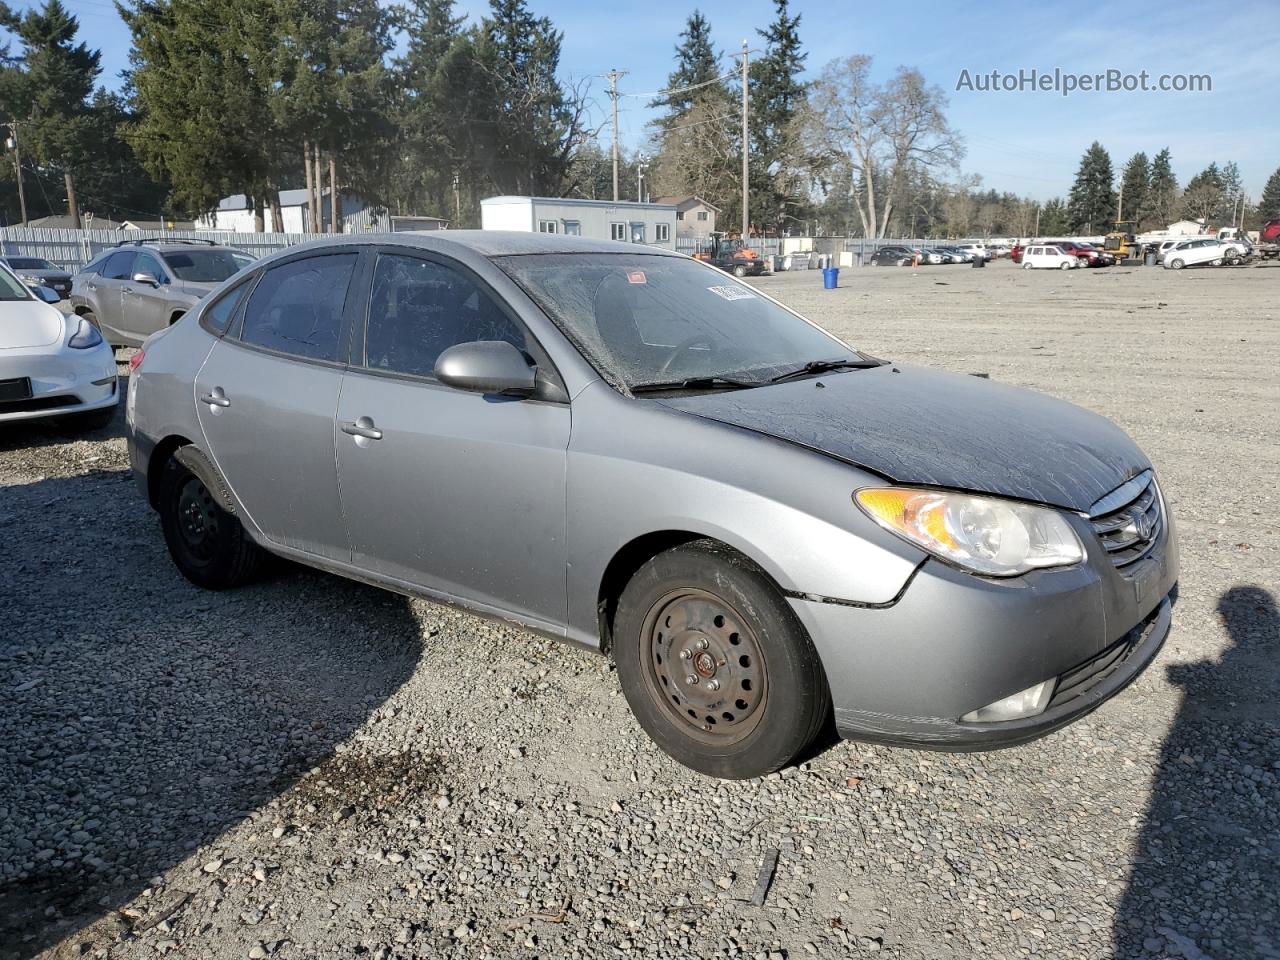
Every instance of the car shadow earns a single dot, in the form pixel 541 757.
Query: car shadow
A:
pixel 1205 879
pixel 140 717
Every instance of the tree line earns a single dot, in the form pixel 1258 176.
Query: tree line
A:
pixel 420 110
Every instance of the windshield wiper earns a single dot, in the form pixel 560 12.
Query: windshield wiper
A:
pixel 695 383
pixel 823 366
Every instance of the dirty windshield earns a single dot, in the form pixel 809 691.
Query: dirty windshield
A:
pixel 647 320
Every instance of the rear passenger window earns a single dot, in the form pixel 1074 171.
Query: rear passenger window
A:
pixel 297 307
pixel 418 309
pixel 218 317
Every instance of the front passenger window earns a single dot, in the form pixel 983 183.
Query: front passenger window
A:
pixel 297 307
pixel 418 309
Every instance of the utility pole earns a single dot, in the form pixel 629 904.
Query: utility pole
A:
pixel 1119 203
pixel 17 169
pixel 642 164
pixel 746 218
pixel 612 76
pixel 457 202
pixel 1037 230
pixel 73 208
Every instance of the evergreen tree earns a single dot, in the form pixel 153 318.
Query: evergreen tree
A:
pixel 1203 197
pixel 1269 205
pixel 1232 195
pixel 1135 183
pixel 697 76
pixel 51 95
pixel 777 97
pixel 1163 191
pixel 428 144
pixel 203 86
pixel 1092 203
pixel 697 140
pixel 1054 218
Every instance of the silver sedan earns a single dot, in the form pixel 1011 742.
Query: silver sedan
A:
pixel 766 529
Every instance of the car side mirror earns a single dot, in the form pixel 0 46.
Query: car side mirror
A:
pixel 47 294
pixel 487 366
pixel 148 278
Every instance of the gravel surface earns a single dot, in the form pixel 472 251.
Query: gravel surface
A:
pixel 309 767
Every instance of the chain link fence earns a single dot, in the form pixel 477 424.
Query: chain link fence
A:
pixel 72 249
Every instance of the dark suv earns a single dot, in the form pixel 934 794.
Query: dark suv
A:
pixel 891 257
pixel 141 286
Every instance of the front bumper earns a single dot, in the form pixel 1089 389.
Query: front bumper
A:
pixel 63 381
pixel 906 672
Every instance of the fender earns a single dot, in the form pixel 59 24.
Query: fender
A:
pixel 194 459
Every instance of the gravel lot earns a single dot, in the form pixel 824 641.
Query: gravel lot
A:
pixel 313 768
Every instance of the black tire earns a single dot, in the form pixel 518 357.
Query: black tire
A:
pixel 729 626
pixel 207 544
pixel 739 270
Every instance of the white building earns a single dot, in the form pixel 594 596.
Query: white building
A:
pixel 695 217
pixel 358 216
pixel 651 223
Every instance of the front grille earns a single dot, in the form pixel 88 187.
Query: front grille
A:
pixel 1128 520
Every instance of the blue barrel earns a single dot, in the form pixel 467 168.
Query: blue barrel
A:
pixel 830 278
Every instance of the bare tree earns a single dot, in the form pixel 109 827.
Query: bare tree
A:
pixel 883 133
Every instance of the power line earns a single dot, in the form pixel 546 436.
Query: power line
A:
pixel 673 92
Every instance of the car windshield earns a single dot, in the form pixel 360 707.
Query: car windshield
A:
pixel 11 288
pixel 204 266
pixel 30 263
pixel 643 320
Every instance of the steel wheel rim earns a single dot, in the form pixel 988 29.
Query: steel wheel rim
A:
pixel 197 519
pixel 704 666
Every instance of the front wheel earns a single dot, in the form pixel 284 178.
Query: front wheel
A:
pixel 714 664
pixel 1065 265
pixel 1176 264
pixel 208 545
pixel 739 270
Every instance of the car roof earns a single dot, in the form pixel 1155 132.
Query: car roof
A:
pixel 487 243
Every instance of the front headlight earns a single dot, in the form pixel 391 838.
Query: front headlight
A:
pixel 987 535
pixel 86 336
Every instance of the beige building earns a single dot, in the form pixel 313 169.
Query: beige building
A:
pixel 695 218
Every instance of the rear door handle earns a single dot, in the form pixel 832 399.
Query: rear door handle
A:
pixel 216 398
pixel 362 428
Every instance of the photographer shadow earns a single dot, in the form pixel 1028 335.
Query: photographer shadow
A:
pixel 1206 872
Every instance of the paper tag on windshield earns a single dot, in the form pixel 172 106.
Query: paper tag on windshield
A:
pixel 729 292
pixel 636 276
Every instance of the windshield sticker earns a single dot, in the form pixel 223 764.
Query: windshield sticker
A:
pixel 728 292
pixel 636 276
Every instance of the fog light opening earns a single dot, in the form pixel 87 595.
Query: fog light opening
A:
pixel 1025 703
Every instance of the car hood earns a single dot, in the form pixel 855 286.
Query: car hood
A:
pixel 920 426
pixel 29 323
pixel 45 274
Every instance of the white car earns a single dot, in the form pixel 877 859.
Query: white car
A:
pixel 1040 255
pixel 51 364
pixel 1200 250
pixel 977 249
pixel 927 256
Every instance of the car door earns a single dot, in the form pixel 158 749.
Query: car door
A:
pixel 144 306
pixel 104 295
pixel 267 395
pixel 452 491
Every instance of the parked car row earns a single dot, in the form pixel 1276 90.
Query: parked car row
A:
pixel 897 255
pixel 1199 251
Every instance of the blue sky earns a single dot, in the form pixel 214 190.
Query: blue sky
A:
pixel 1026 142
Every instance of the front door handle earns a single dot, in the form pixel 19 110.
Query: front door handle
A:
pixel 216 398
pixel 362 429
pixel 126 289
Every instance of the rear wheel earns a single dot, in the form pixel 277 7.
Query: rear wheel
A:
pixel 1218 262
pixel 1026 266
pixel 207 544
pixel 739 270
pixel 715 666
